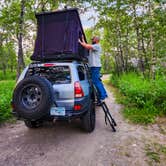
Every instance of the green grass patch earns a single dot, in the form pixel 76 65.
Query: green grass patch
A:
pixel 144 99
pixel 6 90
pixel 119 97
pixel 155 152
pixel 137 116
pixel 10 75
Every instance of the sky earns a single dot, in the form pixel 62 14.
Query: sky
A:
pixel 86 23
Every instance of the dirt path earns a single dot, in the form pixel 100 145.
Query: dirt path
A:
pixel 64 144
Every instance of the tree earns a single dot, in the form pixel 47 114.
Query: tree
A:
pixel 130 30
pixel 21 63
pixel 17 18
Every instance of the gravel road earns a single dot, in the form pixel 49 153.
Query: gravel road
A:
pixel 65 144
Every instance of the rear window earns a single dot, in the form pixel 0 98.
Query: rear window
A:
pixel 55 74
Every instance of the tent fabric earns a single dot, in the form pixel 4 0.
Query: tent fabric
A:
pixel 57 36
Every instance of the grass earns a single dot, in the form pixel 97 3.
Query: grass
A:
pixel 155 152
pixel 6 90
pixel 10 75
pixel 144 99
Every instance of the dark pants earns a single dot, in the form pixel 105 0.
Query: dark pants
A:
pixel 95 71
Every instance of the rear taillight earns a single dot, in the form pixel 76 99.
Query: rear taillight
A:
pixel 78 92
pixel 77 107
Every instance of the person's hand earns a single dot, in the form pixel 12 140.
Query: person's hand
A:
pixel 83 40
pixel 79 41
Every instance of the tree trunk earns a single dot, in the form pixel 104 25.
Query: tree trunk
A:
pixel 152 49
pixel 117 67
pixel 4 69
pixel 127 53
pixel 119 39
pixel 139 47
pixel 21 63
pixel 144 50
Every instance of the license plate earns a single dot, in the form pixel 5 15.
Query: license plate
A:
pixel 58 111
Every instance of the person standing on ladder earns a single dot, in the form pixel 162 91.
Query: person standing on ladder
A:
pixel 95 64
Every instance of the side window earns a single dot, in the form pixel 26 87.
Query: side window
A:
pixel 81 73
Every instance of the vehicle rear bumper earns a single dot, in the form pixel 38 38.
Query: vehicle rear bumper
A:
pixel 69 113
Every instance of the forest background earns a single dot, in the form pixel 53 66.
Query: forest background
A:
pixel 133 39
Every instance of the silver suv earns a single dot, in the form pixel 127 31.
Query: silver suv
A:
pixel 55 90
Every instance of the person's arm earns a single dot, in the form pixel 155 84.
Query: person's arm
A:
pixel 85 45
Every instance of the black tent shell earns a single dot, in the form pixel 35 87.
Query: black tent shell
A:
pixel 57 36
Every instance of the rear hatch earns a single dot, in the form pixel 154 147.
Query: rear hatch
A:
pixel 60 76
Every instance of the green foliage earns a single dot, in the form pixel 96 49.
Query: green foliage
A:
pixel 7 57
pixel 140 116
pixel 10 75
pixel 6 89
pixel 18 26
pixel 144 99
pixel 89 34
pixel 130 33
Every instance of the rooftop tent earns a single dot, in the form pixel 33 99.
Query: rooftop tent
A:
pixel 57 36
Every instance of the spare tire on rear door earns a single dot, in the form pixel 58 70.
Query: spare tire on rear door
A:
pixel 33 98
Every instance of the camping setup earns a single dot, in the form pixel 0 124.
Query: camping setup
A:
pixel 57 36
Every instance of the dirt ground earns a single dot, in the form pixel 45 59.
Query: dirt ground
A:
pixel 65 144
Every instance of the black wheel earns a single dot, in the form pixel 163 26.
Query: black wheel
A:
pixel 94 94
pixel 33 98
pixel 33 124
pixel 89 119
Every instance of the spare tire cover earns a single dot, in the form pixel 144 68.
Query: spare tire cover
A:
pixel 33 98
